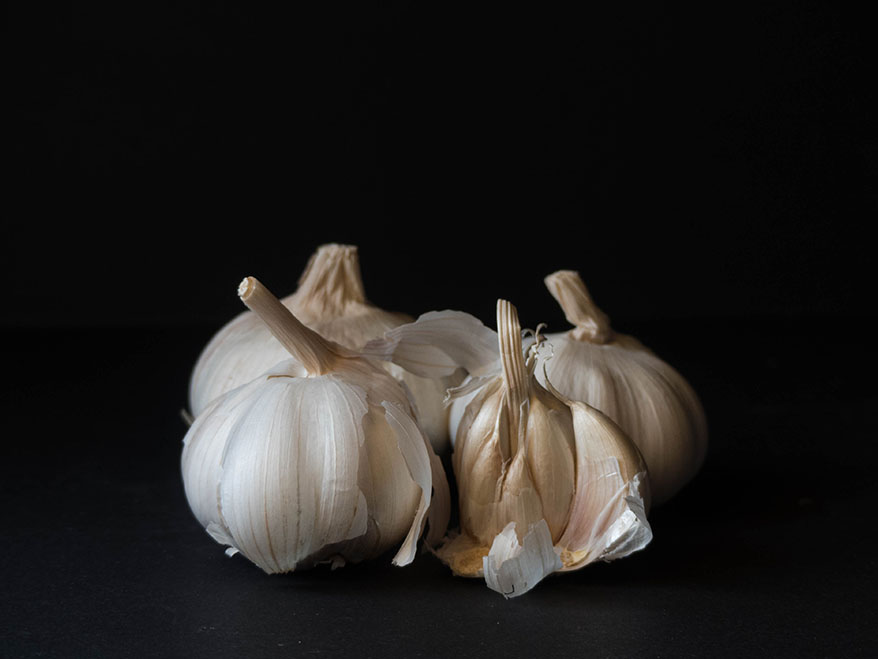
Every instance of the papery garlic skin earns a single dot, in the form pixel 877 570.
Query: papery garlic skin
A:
pixel 655 406
pixel 546 484
pixel 319 459
pixel 330 300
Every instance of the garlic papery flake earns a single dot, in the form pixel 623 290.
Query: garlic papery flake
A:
pixel 318 459
pixel 329 299
pixel 546 484
pixel 438 346
pixel 651 402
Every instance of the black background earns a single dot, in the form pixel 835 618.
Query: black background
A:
pixel 709 170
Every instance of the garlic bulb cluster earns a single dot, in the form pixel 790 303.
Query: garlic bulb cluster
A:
pixel 645 396
pixel 329 299
pixel 546 483
pixel 317 458
pixel 318 419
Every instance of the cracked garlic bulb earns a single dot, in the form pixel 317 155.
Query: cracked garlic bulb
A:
pixel 546 484
pixel 329 299
pixel 645 396
pixel 318 459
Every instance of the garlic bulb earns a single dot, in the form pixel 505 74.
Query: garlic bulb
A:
pixel 650 401
pixel 546 484
pixel 330 300
pixel 317 459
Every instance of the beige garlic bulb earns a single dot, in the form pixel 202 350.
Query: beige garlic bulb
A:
pixel 317 459
pixel 546 484
pixel 329 299
pixel 645 396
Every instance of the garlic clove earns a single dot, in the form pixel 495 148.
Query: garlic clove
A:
pixel 612 498
pixel 551 452
pixel 329 299
pixel 203 447
pixel 319 459
pixel 615 373
pixel 305 517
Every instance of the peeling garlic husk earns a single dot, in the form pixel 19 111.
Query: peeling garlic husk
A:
pixel 319 459
pixel 655 406
pixel 546 484
pixel 329 299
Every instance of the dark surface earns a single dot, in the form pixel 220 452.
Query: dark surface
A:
pixel 710 170
pixel 769 552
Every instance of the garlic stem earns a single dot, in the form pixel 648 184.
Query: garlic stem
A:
pixel 312 350
pixel 591 324
pixel 332 279
pixel 512 363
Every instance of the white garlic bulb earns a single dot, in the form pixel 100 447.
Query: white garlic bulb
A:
pixel 317 459
pixel 546 484
pixel 645 396
pixel 330 300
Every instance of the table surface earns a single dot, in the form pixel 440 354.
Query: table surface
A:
pixel 768 552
